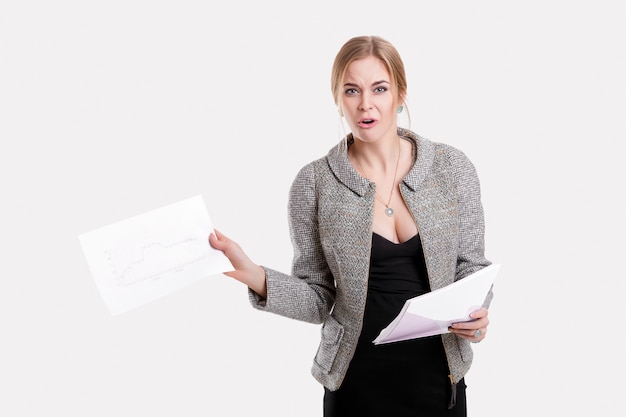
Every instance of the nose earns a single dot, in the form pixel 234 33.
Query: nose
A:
pixel 365 103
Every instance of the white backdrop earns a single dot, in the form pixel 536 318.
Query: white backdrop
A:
pixel 110 109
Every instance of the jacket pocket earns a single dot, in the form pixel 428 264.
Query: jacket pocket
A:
pixel 332 333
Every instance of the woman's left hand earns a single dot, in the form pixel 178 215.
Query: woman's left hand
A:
pixel 474 330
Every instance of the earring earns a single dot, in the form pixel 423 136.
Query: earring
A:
pixel 399 109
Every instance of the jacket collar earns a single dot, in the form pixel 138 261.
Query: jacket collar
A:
pixel 423 156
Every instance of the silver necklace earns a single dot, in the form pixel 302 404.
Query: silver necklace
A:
pixel 388 210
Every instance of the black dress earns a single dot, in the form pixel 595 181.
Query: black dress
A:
pixel 407 378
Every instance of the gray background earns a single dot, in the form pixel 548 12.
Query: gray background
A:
pixel 110 109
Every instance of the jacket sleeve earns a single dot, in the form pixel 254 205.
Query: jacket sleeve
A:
pixel 308 293
pixel 471 251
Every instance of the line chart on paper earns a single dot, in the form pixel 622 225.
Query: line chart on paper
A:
pixel 152 260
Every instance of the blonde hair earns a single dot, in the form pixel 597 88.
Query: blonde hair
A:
pixel 361 47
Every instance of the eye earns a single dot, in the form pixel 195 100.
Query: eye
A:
pixel 351 91
pixel 380 89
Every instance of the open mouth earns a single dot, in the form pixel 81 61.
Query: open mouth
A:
pixel 367 122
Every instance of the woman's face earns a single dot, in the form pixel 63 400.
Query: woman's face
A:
pixel 369 105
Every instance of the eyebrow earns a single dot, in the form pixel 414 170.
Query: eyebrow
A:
pixel 374 84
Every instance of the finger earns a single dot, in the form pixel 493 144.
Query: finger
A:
pixel 219 235
pixel 479 335
pixel 475 335
pixel 216 236
pixel 471 325
pixel 215 242
pixel 231 274
pixel 482 312
pixel 218 240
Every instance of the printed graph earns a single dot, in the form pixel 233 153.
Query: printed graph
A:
pixel 150 261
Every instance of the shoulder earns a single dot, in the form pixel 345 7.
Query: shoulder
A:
pixel 454 163
pixel 448 152
pixel 310 171
pixel 332 167
pixel 306 183
pixel 451 158
pixel 435 159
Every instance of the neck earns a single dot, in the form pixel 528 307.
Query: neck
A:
pixel 380 156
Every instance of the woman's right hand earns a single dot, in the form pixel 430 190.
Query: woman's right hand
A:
pixel 245 271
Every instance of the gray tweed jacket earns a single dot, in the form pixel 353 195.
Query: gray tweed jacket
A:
pixel 330 219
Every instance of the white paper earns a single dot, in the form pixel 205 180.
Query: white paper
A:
pixel 148 256
pixel 432 313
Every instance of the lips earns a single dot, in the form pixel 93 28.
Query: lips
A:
pixel 367 123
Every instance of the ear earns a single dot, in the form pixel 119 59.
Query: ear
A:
pixel 401 98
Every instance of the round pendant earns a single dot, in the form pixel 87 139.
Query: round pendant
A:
pixel 389 211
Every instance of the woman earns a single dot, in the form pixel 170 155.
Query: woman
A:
pixel 385 216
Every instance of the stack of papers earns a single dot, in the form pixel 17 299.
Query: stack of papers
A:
pixel 432 313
